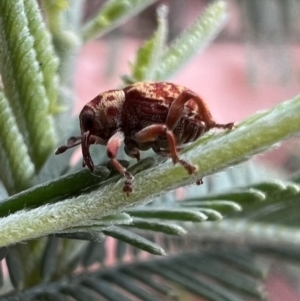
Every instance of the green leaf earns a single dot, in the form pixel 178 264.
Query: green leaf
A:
pixel 158 275
pixel 190 282
pixel 212 215
pixel 105 289
pixel 134 240
pixel 112 14
pixel 277 188
pixel 16 166
pixel 68 185
pixel 241 196
pixel 23 81
pixel 49 258
pixel 93 234
pixel 223 207
pixel 242 261
pixel 255 233
pixel 64 21
pixel 168 214
pixel 215 270
pixel 193 40
pixel 45 56
pixel 15 268
pixel 115 219
pixel 149 54
pixel 167 228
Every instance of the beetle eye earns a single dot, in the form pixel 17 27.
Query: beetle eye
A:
pixel 87 122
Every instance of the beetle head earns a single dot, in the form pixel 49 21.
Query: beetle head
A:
pixel 89 122
pixel 99 120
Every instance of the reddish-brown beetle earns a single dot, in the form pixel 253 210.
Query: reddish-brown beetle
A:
pixel 158 115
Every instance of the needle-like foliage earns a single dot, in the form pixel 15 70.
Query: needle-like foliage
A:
pixel 57 221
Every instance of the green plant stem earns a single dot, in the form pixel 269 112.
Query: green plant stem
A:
pixel 149 54
pixel 257 233
pixel 193 40
pixel 112 14
pixel 253 136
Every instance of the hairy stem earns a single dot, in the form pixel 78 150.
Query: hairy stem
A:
pixel 254 135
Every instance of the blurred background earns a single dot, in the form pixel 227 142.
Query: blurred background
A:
pixel 253 64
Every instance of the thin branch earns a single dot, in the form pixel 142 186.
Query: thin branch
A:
pixel 256 134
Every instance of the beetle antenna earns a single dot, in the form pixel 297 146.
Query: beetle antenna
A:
pixel 71 142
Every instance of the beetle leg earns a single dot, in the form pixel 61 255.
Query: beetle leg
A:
pixel 166 152
pixel 227 126
pixel 152 132
pixel 177 108
pixel 113 146
pixel 132 153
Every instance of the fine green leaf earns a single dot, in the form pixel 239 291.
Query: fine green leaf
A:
pixel 112 14
pixel 234 279
pixel 204 288
pixel 15 268
pixel 93 234
pixel 52 10
pixel 134 240
pixel 23 81
pixel 212 215
pixel 242 261
pixel 44 51
pixel 149 54
pixel 16 166
pixel 239 196
pixel 168 214
pixel 193 40
pixel 163 227
pixel 67 185
pixel 156 285
pixel 276 188
pixel 256 233
pixel 119 218
pixel 223 207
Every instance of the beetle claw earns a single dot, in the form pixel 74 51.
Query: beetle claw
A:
pixel 191 169
pixel 199 182
pixel 89 163
pixel 227 126
pixel 128 187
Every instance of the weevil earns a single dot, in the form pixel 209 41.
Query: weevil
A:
pixel 147 115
